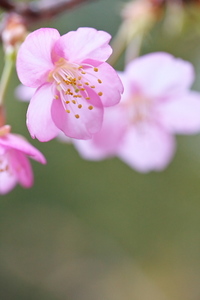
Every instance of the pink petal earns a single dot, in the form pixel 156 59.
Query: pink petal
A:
pixel 90 121
pixel 34 60
pixel 106 142
pixel 181 114
pixel 21 167
pixel 17 142
pixel 82 44
pixel 148 148
pixel 111 85
pixel 7 179
pixel 39 119
pixel 160 74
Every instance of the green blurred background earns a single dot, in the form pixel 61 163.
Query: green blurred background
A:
pixel 100 230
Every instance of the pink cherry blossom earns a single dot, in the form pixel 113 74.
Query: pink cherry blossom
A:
pixel 156 104
pixel 72 80
pixel 14 164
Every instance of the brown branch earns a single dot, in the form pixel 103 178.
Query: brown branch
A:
pixel 38 11
pixel 7 5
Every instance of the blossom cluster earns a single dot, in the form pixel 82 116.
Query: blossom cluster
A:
pixel 132 114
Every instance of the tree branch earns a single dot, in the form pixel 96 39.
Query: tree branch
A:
pixel 37 11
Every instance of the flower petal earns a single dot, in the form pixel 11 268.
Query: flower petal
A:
pixel 34 60
pixel 106 142
pixel 89 122
pixel 7 179
pixel 111 86
pixel 39 119
pixel 21 167
pixel 181 114
pixel 17 142
pixel 148 148
pixel 82 44
pixel 160 74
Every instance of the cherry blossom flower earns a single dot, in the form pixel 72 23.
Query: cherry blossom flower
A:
pixel 72 80
pixel 156 104
pixel 14 164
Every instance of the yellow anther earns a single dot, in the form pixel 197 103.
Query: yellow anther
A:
pixel 68 111
pixel 77 116
pixel 99 81
pixel 87 98
pixel 96 69
pixel 82 89
pixel 90 107
pixel 92 86
pixel 74 101
pixel 56 97
pixel 79 77
pixel 100 93
pixel 87 83
pixel 67 102
pixel 82 72
pixel 80 105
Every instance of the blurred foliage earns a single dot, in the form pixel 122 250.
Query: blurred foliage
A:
pixel 99 230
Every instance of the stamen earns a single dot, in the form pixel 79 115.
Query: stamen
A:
pixel 71 79
pixel 5 169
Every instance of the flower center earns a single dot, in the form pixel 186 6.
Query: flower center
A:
pixel 4 167
pixel 72 82
pixel 140 109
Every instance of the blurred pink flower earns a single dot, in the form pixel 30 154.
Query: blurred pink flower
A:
pixel 156 104
pixel 24 93
pixel 73 81
pixel 14 164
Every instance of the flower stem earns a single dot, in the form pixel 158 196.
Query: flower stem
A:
pixel 6 74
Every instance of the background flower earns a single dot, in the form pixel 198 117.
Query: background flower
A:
pixel 14 164
pixel 156 104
